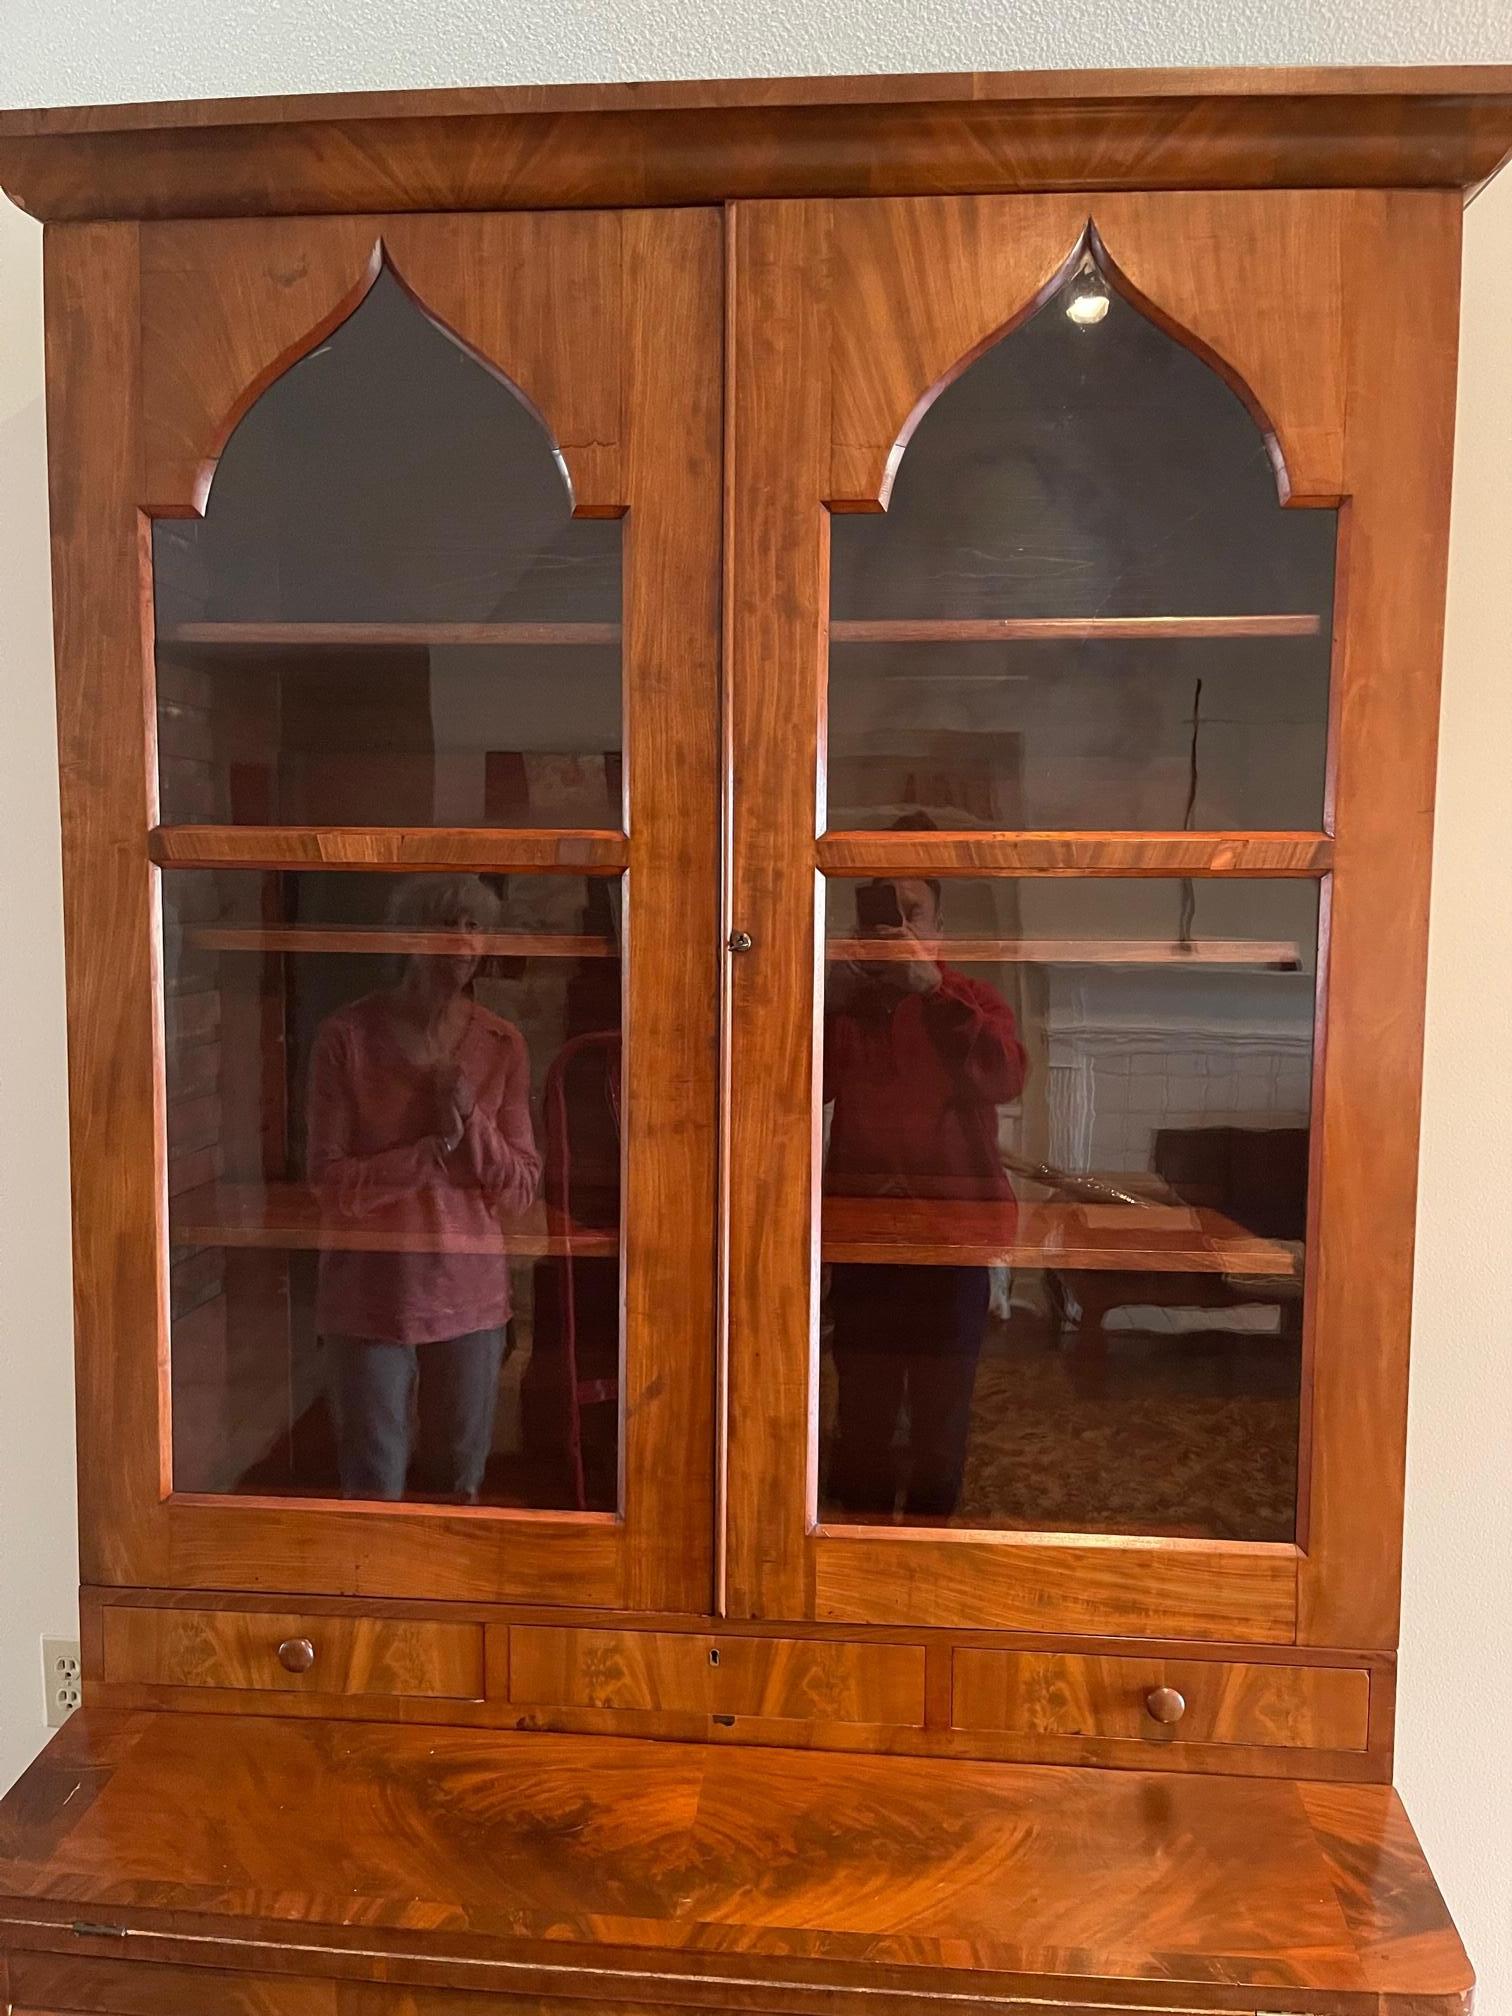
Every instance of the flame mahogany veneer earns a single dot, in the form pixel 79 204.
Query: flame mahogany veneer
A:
pixel 602 1871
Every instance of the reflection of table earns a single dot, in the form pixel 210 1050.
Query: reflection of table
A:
pixel 1068 1238
pixel 289 1217
pixel 1119 1241
pixel 1105 1256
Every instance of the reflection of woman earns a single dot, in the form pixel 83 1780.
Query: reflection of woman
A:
pixel 419 1134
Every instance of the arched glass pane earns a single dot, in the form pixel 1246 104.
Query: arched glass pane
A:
pixel 1065 1203
pixel 388 615
pixel 394 1185
pixel 1074 475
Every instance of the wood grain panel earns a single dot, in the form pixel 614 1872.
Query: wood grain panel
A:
pixel 108 796
pixel 780 430
pixel 1404 254
pixel 1141 1588
pixel 1065 1694
pixel 1257 287
pixel 226 308
pixel 239 1648
pixel 1251 281
pixel 714 1675
pixel 533 296
pixel 674 304
pixel 1406 82
pixel 604 145
pixel 44 1982
pixel 1075 854
pixel 944 278
pixel 393 849
pixel 297 1547
pixel 727 1878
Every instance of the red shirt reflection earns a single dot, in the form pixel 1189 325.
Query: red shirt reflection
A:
pixel 917 1060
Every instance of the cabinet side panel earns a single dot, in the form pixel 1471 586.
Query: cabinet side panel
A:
pixel 110 910
pixel 1402 303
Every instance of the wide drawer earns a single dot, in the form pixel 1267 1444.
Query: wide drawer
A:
pixel 1170 1700
pixel 699 1674
pixel 286 1651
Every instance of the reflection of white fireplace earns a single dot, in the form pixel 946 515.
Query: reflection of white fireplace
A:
pixel 1216 1051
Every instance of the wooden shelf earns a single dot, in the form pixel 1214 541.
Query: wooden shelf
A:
pixel 289 1217
pixel 1062 629
pixel 499 850
pixel 890 630
pixel 970 851
pixel 884 1231
pixel 350 634
pixel 1281 954
pixel 381 939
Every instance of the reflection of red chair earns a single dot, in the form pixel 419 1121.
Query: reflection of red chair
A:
pixel 574 1362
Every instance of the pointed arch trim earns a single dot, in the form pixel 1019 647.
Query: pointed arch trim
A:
pixel 922 287
pixel 227 309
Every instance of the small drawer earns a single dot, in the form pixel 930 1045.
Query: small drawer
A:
pixel 691 1673
pixel 284 1651
pixel 1162 1700
pixel 46 1984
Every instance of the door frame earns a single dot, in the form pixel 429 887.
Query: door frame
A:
pixel 159 337
pixel 1334 315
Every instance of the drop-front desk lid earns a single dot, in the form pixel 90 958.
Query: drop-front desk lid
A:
pixel 610 1870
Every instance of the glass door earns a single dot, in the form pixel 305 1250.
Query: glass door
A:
pixel 434 673
pixel 1026 1338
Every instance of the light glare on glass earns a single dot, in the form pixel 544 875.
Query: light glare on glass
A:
pixel 1087 302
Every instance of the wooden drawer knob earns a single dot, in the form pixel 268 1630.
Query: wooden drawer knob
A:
pixel 1165 1704
pixel 297 1655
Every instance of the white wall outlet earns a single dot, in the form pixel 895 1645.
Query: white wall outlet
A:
pixel 61 1679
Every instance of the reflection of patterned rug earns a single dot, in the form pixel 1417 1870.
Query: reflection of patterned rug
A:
pixel 1188 1435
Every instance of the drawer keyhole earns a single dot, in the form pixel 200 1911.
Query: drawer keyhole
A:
pixel 713 1655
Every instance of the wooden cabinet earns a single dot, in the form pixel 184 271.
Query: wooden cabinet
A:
pixel 747 778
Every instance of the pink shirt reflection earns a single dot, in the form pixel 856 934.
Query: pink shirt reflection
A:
pixel 383 1167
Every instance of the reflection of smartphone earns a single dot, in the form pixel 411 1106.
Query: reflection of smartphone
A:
pixel 877 906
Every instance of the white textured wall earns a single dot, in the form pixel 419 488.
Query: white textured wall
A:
pixel 1456 1710
pixel 1454 1758
pixel 78 51
pixel 38 1564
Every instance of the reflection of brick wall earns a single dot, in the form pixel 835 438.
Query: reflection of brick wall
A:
pixel 1109 1092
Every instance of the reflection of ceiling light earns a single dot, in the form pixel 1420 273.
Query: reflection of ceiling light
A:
pixel 1087 302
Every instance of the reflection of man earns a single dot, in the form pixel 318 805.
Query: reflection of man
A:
pixel 917 1059
pixel 419 1123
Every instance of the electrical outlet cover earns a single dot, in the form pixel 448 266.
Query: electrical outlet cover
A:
pixel 61 1679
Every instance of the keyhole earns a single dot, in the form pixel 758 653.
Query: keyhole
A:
pixel 713 1655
